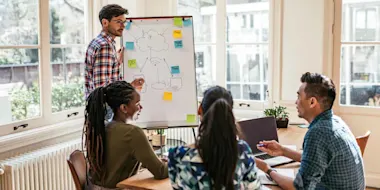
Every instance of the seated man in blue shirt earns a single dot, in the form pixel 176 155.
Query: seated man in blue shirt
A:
pixel 331 158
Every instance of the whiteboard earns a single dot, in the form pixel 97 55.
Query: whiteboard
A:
pixel 161 50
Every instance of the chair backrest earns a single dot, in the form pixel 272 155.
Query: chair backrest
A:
pixel 362 141
pixel 77 165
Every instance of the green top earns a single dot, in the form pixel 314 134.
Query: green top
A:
pixel 127 147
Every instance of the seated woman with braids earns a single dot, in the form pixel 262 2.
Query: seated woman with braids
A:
pixel 217 160
pixel 116 149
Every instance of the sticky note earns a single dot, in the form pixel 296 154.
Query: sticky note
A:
pixel 130 45
pixel 190 118
pixel 128 26
pixel 178 22
pixel 187 22
pixel 177 34
pixel 178 44
pixel 168 96
pixel 132 63
pixel 175 70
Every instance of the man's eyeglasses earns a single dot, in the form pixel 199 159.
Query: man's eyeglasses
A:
pixel 120 22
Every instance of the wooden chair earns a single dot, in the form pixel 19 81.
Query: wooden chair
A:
pixel 362 141
pixel 77 165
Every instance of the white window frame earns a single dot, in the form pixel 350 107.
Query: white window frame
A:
pixel 47 117
pixel 337 28
pixel 221 45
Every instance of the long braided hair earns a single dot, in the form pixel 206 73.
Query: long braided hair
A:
pixel 113 95
pixel 217 143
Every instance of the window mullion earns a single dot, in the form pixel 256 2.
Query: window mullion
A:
pixel 89 21
pixel 221 42
pixel 261 63
pixel 45 71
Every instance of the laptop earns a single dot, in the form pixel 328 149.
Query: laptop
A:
pixel 255 130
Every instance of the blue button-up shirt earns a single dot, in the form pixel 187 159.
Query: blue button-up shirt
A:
pixel 331 157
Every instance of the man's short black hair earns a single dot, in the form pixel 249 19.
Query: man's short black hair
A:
pixel 110 11
pixel 320 87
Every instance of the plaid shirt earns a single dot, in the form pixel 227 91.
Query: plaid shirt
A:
pixel 331 157
pixel 101 64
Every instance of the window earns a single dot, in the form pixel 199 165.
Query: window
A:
pixel 244 47
pixel 360 53
pixel 41 61
pixel 67 39
pixel 247 50
pixel 244 21
pixel 19 61
pixel 204 39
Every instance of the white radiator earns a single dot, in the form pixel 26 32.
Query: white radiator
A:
pixel 183 134
pixel 43 169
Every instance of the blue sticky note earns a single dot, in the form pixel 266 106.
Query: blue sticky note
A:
pixel 187 22
pixel 175 70
pixel 178 44
pixel 128 26
pixel 130 45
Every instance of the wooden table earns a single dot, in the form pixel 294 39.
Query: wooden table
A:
pixel 144 180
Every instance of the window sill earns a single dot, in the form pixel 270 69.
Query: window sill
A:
pixel 32 136
pixel 247 114
pixel 358 110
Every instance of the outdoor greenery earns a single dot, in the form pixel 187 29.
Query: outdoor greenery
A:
pixel 67 95
pixel 25 102
pixel 160 131
pixel 19 26
pixel 22 101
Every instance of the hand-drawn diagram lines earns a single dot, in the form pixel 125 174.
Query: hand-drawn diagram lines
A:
pixel 153 41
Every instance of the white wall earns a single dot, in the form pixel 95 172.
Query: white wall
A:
pixel 158 7
pixel 301 39
pixel 302 19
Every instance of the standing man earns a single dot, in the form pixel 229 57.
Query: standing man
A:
pixel 102 62
pixel 331 157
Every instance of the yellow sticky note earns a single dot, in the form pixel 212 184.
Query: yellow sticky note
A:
pixel 168 96
pixel 177 34
pixel 190 118
pixel 132 63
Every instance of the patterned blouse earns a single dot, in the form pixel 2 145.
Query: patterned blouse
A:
pixel 186 170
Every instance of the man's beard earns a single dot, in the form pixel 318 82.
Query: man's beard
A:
pixel 113 32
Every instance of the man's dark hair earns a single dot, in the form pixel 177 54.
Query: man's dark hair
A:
pixel 320 87
pixel 110 11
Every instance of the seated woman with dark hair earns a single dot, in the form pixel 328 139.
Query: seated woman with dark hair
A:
pixel 218 160
pixel 116 149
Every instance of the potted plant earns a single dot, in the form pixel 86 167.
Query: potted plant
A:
pixel 159 139
pixel 281 115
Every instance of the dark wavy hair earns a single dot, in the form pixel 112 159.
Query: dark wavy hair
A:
pixel 110 11
pixel 320 87
pixel 217 143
